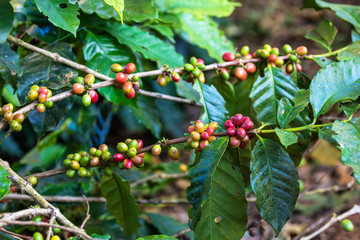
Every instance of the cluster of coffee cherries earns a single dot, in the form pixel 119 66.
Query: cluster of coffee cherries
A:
pixel 14 121
pixel 128 86
pixel 294 61
pixel 127 155
pixel 173 152
pixel 39 235
pixel 164 79
pixel 237 128
pixel 193 70
pixel 201 135
pixel 78 163
pixel 41 94
pixel 82 86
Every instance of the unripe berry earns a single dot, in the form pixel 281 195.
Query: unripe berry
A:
pixel 162 80
pixel 156 150
pixel 240 133
pixel 244 50
pixel 201 66
pixel 94 161
pixel 106 156
pixel 137 161
pixel 193 61
pixel 98 153
pixel 196 72
pixel 89 79
pixel 128 164
pixel 40 108
pixel 234 142
pixel 173 153
pixel 289 68
pixel 142 154
pixel 228 56
pixel 140 144
pixel 248 56
pixel 175 77
pixel 37 236
pixel 34 87
pixel 42 97
pixel 264 53
pixel 78 88
pixel 212 138
pixel 229 124
pixel 94 96
pixel 55 237
pixel 302 50
pixel 131 94
pixel 8 116
pixel 127 141
pixel 131 152
pixel 115 68
pixel 76 157
pixel 127 88
pixel 238 119
pixel 79 80
pixel 195 136
pixel 82 172
pixel 32 181
pixel 287 48
pixel 189 77
pixel 279 62
pixel 129 68
pixel 121 78
pixel 250 67
pixel 92 151
pixel 214 125
pixel 191 129
pixel 182 168
pixel 275 51
pixel 240 74
pixel 246 139
pixel 74 165
pixel 224 74
pixel 202 77
pixel 188 67
pixel 48 103
pixel 33 95
pixel 86 100
pixel 347 225
pixel 293 58
pixel 231 131
pixel 118 157
pixel 84 161
pixel 199 126
pixel 70 173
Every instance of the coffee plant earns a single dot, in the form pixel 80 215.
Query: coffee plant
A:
pixel 73 71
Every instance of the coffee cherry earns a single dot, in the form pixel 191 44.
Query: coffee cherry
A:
pixel 287 48
pixel 200 61
pixel 140 144
pixel 162 80
pixel 70 173
pixel 141 154
pixel 86 100
pixel 84 154
pixel 92 151
pixel 250 67
pixel 131 152
pixel 195 136
pixel 279 62
pixel 55 237
pixel 267 47
pixel 202 77
pixel 244 50
pixel 66 163
pixel 205 135
pixel 195 144
pixel 32 181
pixel 128 164
pixel 89 79
pixel 293 58
pixel 189 77
pixel 199 126
pixel 84 161
pixel 193 61
pixel 234 142
pixel 90 172
pixel 248 56
pixel 37 236
pixel 264 53
pixel 188 67
pixel 118 157
pixel 129 68
pixel 127 88
pixel 247 125
pixel 33 95
pixel 137 161
pixel 13 189
pixel 115 68
pixel 210 131
pixel 203 144
pixel 74 165
pixel 289 68
pixel 347 225
pixel 191 129
pixel 94 161
pixel 82 172
pixel 227 57
pixel 240 74
pixel 108 171
pixel 43 90
pixel 275 51
pixel 56 230
pixel 121 77
pixel 8 116
pixel 246 139
pixel 175 77
pixel 103 148
pixel 214 125
pixel 224 74
pixel 212 138
pixel 78 88
pixel 131 94
pixel 14 125
pixel 133 144
pixel 122 147
pixel 231 131
pixel 76 157
pixel 156 150
pixel 79 80
pixel 183 167
pixel 42 97
pixel 98 153
pixel 238 119
pixel 40 108
pixel 127 141
pixel 35 87
pixel 240 133
pixel 302 50
pixel 272 58
pixel 93 96
pixel 173 153
pixel 229 124
pixel 196 72
pixel 298 67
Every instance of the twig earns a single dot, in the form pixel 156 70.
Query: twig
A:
pixel 182 232
pixel 158 176
pixel 42 224
pixel 354 210
pixel 29 190
pixel 15 235
pixel 50 231
pixel 87 213
pixel 25 213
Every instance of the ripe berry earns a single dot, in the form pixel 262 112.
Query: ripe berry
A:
pixel 121 77
pixel 86 100
pixel 188 67
pixel 37 236
pixel 141 154
pixel 210 130
pixel 289 68
pixel 279 62
pixel 250 68
pixel 156 150
pixel 127 88
pixel 199 126
pixel 32 181
pixel 128 164
pixel 182 168
pixel 228 56
pixel 103 148
pixel 94 161
pixel 242 145
pixel 137 161
pixel 287 48
pixel 82 172
pixel 43 90
pixel 238 119
pixel 203 144
pixel 191 129
pixel 78 88
pixel 234 142
pixel 70 173
pixel 231 131
pixel 173 153
pixel 240 74
pixel 13 189
pixel 33 95
pixel 140 144
pixel 214 125
pixel 246 139
pixel 129 68
pixel 302 50
pixel 248 56
pixel 8 116
pixel 195 136
pixel 244 50
pixel 115 68
pixel 272 58
pixel 94 96
pixel 240 133
pixel 347 225
pixel 108 171
pixel 247 125
pixel 229 124
pixel 200 61
pixel 205 135
pixel 298 67
pixel 42 97
pixel 92 151
pixel 131 94
pixel 40 108
pixel 162 80
pixel 118 157
pixel 48 103
pixel 89 79
pixel 193 61
pixel 175 77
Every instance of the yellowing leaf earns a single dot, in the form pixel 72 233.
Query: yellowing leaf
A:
pixel 119 6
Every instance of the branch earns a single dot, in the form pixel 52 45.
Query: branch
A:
pixel 16 235
pixel 354 210
pixel 29 190
pixel 50 231
pixel 25 213
pixel 182 232
pixel 87 213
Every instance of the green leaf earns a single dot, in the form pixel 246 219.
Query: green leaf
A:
pixel 274 180
pixel 224 209
pixel 352 52
pixel 286 138
pixel 267 92
pixel 213 104
pixel 9 58
pixel 348 138
pixel 197 29
pixel 287 112
pixel 65 18
pixel 327 133
pixel 118 6
pixel 351 107
pixel 226 89
pixel 165 30
pixel 166 225
pixel 324 34
pixel 242 90
pixel 217 8
pixel 157 237
pixel 350 13
pixel 4 182
pixel 185 89
pixel 355 36
pixel 201 172
pixel 336 82
pixel 121 203
pixel 95 236
pixel 132 12
pixel 322 61
pixel 6 19
pixel 148 45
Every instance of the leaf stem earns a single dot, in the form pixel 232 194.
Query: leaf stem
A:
pixel 332 53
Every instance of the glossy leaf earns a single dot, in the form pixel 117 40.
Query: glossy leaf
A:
pixel 324 34
pixel 9 58
pixel 274 180
pixel 186 90
pixel 242 90
pixel 355 36
pixel 323 61
pixel 213 104
pixel 217 8
pixel 121 203
pixel 352 52
pixel 167 225
pixel 327 133
pixel 216 44
pixel 4 182
pixel 118 6
pixel 6 19
pixel 336 82
pixel 267 92
pixel 351 107
pixel 132 12
pixel 157 237
pixel 63 15
pixel 226 89
pixel 165 30
pixel 148 45
pixel 286 138
pixel 348 137
pixel 201 173
pixel 287 112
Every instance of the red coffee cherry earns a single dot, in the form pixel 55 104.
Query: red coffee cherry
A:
pixel 240 133
pixel 42 97
pixel 302 50
pixel 121 78
pixel 129 68
pixel 231 131
pixel 94 161
pixel 175 77
pixel 140 144
pixel 227 57
pixel 298 67
pixel 205 135
pixel 246 139
pixel 43 90
pixel 210 130
pixel 240 74
pixel 191 129
pixel 200 61
pixel 94 96
pixel 130 95
pixel 40 108
pixel 203 144
pixel 250 67
pixel 77 88
pixel 128 164
pixel 238 119
pixel 118 157
pixel 247 125
pixel 242 145
pixel 272 58
pixel 234 142
pixel 229 124
pixel 19 117
pixel 248 56
pixel 137 161
pixel 127 88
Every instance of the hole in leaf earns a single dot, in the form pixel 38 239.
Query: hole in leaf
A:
pixel 63 5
